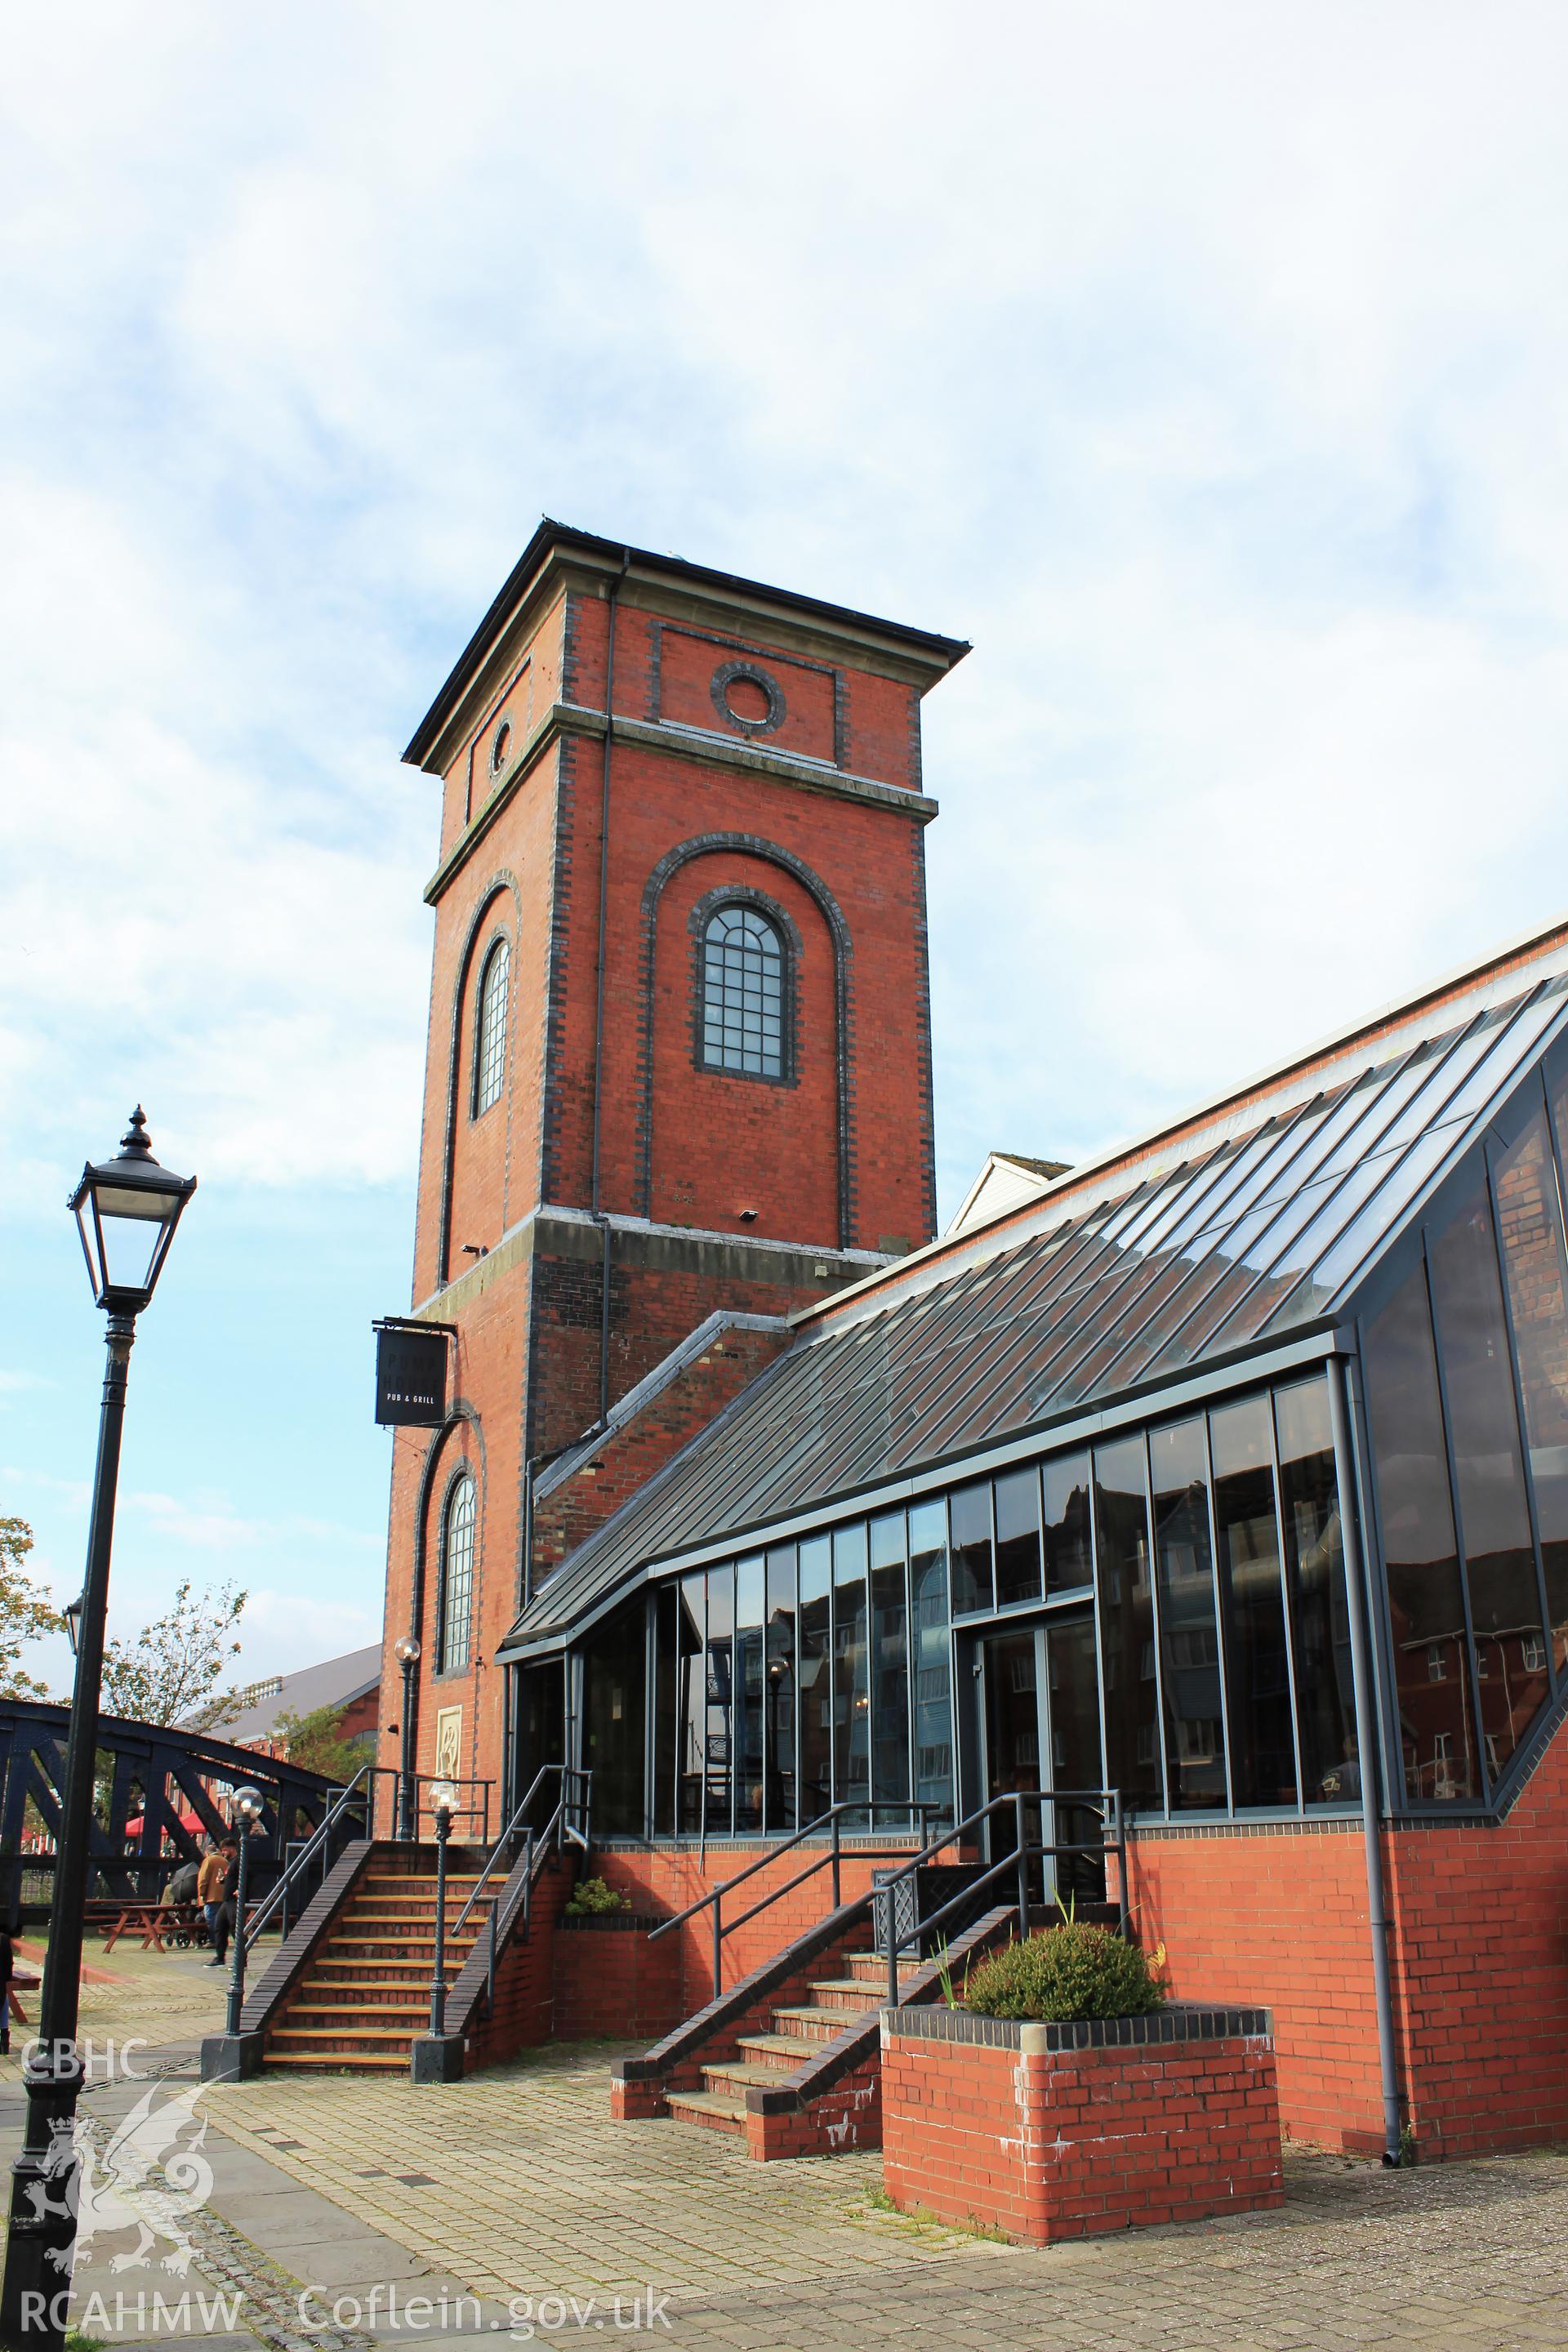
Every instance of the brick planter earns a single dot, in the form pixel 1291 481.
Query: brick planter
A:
pixel 611 1983
pixel 1064 2131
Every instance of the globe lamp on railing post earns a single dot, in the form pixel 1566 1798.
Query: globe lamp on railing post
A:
pixel 247 1811
pixel 126 1211
pixel 443 1804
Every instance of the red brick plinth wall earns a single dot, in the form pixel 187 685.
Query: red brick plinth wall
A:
pixel 520 2015
pixel 1277 1914
pixel 611 1983
pixel 848 2116
pixel 669 1877
pixel 1478 1947
pixel 1067 2131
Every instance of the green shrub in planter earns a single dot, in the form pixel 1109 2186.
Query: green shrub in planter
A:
pixel 1069 1972
pixel 593 1898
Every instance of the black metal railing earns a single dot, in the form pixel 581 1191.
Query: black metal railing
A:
pixel 351 1813
pixel 470 1809
pixel 829 1823
pixel 569 1824
pixel 1015 1864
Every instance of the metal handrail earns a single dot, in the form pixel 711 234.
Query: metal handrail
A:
pixel 1023 1852
pixel 459 1812
pixel 715 1895
pixel 576 1797
pixel 246 1931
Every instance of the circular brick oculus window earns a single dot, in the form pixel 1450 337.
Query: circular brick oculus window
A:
pixel 501 747
pixel 747 697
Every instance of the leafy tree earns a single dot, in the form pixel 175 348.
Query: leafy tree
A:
pixel 25 1613
pixel 171 1672
pixel 315 1741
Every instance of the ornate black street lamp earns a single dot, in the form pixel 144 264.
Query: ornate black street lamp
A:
pixel 406 1650
pixel 247 1812
pixel 126 1211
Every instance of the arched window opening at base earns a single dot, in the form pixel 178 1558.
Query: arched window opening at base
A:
pixel 743 993
pixel 456 1578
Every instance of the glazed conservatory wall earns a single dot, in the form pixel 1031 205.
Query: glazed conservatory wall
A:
pixel 1466 1372
pixel 1199 1563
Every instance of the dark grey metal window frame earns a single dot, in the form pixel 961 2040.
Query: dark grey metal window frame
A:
pixel 462 1475
pixel 704 914
pixel 488 1063
pixel 963 1630
pixel 1443 1202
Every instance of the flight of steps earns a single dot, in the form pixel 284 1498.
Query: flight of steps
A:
pixel 799 2034
pixel 366 1993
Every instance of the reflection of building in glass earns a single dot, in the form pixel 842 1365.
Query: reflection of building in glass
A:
pixel 1202 1541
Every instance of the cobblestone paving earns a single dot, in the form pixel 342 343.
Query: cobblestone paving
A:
pixel 1463 2258
pixel 516 2183
pixel 159 1997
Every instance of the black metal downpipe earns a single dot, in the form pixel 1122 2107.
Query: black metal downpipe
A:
pixel 1368 1748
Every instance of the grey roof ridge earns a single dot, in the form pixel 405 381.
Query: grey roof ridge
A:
pixel 886 1287
pixel 678 1461
pixel 648 1387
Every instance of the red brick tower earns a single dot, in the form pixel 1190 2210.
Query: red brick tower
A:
pixel 678 1059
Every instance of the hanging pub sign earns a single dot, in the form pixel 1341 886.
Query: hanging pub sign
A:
pixel 411 1374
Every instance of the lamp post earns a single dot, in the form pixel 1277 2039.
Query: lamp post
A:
pixel 248 1806
pixel 443 1800
pixel 126 1211
pixel 406 1650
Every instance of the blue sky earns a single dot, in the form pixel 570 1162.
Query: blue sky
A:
pixel 1204 365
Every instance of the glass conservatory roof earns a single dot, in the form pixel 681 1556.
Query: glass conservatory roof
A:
pixel 1250 1223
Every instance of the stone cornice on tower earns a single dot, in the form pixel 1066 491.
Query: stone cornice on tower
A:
pixel 558 558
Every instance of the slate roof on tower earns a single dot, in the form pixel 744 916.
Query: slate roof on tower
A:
pixel 1244 1226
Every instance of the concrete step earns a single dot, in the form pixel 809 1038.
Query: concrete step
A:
pixel 310 2009
pixel 333 1993
pixel 367 2033
pixel 353 2061
pixel 848 1993
pixel 412 1913
pixel 347 1975
pixel 871 1968
pixel 728 2077
pixel 781 2051
pixel 814 2025
pixel 703 2107
pixel 399 1946
pixel 392 1882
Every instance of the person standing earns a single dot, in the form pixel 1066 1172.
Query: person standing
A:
pixel 209 1895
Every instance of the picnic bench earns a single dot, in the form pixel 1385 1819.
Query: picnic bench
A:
pixel 153 1921
pixel 21 1980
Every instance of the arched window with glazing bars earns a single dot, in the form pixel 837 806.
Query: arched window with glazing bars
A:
pixel 456 1616
pixel 742 1026
pixel 490 1033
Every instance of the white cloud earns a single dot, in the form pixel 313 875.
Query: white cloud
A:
pixel 1204 365
pixel 283 1631
pixel 1205 373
